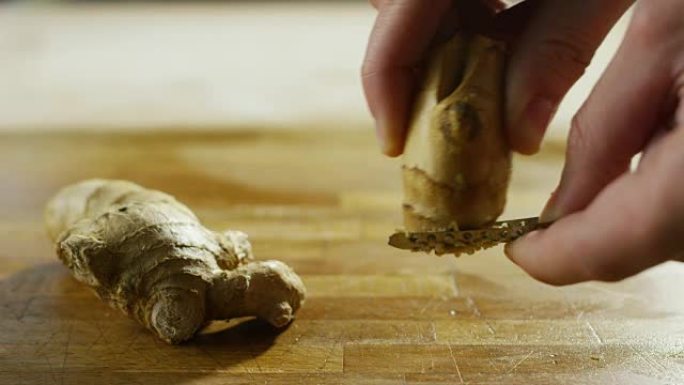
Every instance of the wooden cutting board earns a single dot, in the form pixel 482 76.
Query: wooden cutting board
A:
pixel 325 203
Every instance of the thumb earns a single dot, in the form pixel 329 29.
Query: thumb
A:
pixel 548 59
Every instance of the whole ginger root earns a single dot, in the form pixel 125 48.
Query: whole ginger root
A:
pixel 457 162
pixel 147 254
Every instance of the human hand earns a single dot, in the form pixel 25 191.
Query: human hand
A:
pixel 552 43
pixel 612 223
pixel 609 223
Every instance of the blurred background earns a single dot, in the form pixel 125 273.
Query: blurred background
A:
pixel 186 65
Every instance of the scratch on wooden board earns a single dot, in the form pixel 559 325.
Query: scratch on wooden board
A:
pixel 66 353
pixel 211 358
pixel 296 338
pixel 432 362
pixel 427 304
pixel 47 342
pixel 621 294
pixel 39 352
pixel 330 352
pixel 455 282
pixel 573 307
pixel 52 370
pixel 470 302
pixel 25 308
pixel 594 333
pixel 434 331
pixel 131 344
pixel 255 358
pixel 519 362
pixel 648 359
pixel 247 370
pixel 100 335
pixel 453 359
pixel 134 341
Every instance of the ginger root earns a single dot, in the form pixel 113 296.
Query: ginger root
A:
pixel 457 162
pixel 147 254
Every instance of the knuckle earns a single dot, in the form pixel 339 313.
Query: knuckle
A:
pixel 543 276
pixel 587 145
pixel 566 57
pixel 579 139
pixel 569 49
pixel 372 68
pixel 654 20
pixel 368 69
pixel 611 275
pixel 642 27
pixel 646 226
pixel 679 114
pixel 552 281
pixel 644 233
pixel 376 3
pixel 662 226
pixel 604 271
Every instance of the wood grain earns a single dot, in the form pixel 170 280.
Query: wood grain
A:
pixel 324 203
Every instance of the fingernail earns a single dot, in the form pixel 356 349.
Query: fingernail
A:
pixel 535 120
pixel 551 211
pixel 509 249
pixel 381 134
pixel 388 144
pixel 514 250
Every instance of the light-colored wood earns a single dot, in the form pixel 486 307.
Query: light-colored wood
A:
pixel 323 202
pixel 105 65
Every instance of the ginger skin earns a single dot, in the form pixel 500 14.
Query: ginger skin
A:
pixel 457 162
pixel 147 254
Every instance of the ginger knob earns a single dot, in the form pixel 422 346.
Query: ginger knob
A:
pixel 147 254
pixel 457 162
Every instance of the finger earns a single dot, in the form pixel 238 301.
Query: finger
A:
pixel 378 3
pixel 611 240
pixel 548 59
pixel 616 121
pixel 635 223
pixel 402 34
pixel 679 113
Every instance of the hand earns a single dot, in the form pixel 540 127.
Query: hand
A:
pixel 552 43
pixel 612 223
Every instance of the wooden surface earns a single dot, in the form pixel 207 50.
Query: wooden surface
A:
pixel 324 203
